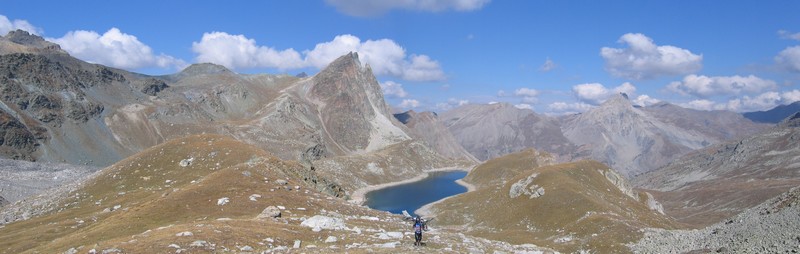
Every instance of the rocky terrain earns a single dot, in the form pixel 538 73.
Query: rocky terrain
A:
pixel 635 140
pixel 712 184
pixel 492 130
pixel 20 179
pixel 523 198
pixel 430 129
pixel 771 227
pixel 211 193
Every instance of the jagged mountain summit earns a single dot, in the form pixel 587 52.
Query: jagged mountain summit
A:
pixel 60 109
pixel 774 115
pixel 429 128
pixel 711 184
pixel 493 130
pixel 635 140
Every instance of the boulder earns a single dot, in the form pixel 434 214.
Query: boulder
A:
pixel 269 212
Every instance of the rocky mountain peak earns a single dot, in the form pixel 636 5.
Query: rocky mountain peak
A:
pixel 204 68
pixel 619 100
pixel 791 121
pixel 21 41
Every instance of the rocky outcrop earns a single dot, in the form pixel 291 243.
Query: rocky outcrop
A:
pixel 352 108
pixel 16 140
pixel 3 201
pixel 153 86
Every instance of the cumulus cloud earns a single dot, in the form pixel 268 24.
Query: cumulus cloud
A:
pixel 524 106
pixel 238 51
pixel 789 58
pixel 548 65
pixel 392 89
pixel 384 56
pixel 643 59
pixel 704 86
pixel 645 100
pixel 365 8
pixel 409 103
pixel 7 25
pixel 596 93
pixel 114 48
pixel 789 35
pixel 528 95
pixel 746 103
pixel 569 108
pixel 450 104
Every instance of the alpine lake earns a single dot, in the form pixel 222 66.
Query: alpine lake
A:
pixel 412 196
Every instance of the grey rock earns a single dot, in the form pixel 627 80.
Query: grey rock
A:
pixel 269 212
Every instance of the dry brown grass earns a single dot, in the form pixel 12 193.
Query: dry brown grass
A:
pixel 187 203
pixel 579 202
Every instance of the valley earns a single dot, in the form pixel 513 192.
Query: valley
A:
pixel 95 159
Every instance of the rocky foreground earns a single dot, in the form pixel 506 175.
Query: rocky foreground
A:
pixel 771 227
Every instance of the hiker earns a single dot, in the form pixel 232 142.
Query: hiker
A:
pixel 419 226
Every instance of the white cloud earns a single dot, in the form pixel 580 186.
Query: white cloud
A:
pixel 384 56
pixel 7 25
pixel 790 96
pixel 789 58
pixel 645 100
pixel 114 48
pixel 393 89
pixel 701 104
pixel 524 106
pixel 237 52
pixel 643 59
pixel 364 8
pixel 409 103
pixel 763 101
pixel 596 93
pixel 704 86
pixel 450 104
pixel 528 95
pixel 548 65
pixel 569 108
pixel 501 93
pixel 789 35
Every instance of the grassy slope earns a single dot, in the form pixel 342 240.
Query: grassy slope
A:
pixel 578 202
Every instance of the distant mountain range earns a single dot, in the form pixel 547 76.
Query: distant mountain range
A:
pixel 774 115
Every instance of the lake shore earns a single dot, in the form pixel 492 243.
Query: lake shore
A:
pixel 425 211
pixel 359 195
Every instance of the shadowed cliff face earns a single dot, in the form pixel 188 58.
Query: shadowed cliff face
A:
pixel 352 107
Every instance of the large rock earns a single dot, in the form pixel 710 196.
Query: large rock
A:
pixel 269 212
pixel 324 222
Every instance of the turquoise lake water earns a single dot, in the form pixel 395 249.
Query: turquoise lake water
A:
pixel 412 196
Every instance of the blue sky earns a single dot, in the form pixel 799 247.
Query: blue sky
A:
pixel 554 57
